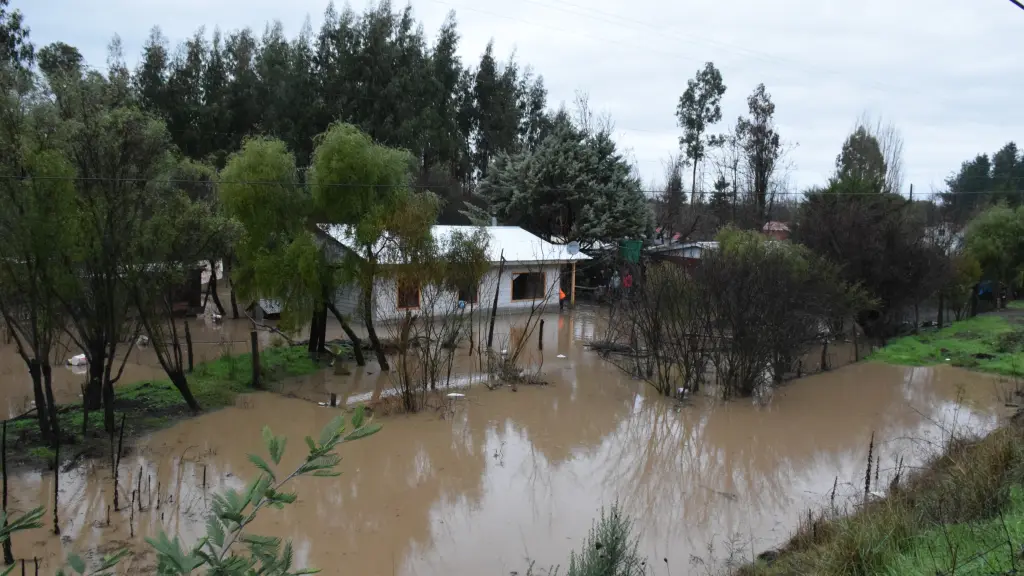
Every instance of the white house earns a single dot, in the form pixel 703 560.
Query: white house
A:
pixel 530 277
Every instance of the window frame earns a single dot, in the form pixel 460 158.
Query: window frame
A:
pixel 476 294
pixel 512 286
pixel 398 297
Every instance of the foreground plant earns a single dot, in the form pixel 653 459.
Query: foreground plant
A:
pixel 227 549
pixel 610 549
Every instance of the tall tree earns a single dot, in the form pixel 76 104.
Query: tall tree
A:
pixel 673 198
pixel 1007 170
pixel 861 160
pixel 15 48
pixel 184 227
pixel 37 212
pixel 150 78
pixel 184 111
pixel 117 153
pixel 968 189
pixel 361 185
pixel 699 108
pixel 574 186
pixel 214 118
pixel 497 94
pixel 761 146
pixel 242 94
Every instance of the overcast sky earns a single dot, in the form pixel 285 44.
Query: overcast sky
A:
pixel 948 73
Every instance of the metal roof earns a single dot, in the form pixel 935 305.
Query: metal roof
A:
pixel 775 226
pixel 518 244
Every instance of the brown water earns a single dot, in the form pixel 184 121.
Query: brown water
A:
pixel 517 476
pixel 210 340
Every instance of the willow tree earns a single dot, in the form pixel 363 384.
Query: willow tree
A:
pixel 278 257
pixel 183 228
pixel 361 185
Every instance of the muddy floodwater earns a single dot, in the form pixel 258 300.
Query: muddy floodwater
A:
pixel 510 478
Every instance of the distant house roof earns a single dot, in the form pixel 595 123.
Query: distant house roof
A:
pixel 517 244
pixel 683 246
pixel 774 226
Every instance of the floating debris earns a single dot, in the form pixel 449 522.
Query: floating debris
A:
pixel 78 360
pixel 456 395
pixel 561 356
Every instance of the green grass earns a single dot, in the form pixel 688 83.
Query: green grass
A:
pixel 150 405
pixel 1015 304
pixel 967 344
pixel 987 547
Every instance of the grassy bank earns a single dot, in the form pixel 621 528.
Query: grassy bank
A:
pixel 990 343
pixel 150 405
pixel 963 513
pixel 960 513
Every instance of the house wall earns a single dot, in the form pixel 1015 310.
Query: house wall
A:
pixel 385 294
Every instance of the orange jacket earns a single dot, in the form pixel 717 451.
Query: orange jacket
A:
pixel 561 294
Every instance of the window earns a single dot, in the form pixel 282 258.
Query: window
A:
pixel 470 295
pixel 528 286
pixel 408 296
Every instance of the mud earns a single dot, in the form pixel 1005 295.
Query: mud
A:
pixel 505 478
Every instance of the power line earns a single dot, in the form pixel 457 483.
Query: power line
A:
pixel 354 185
pixel 1018 4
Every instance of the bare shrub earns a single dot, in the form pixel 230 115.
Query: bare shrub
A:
pixel 427 338
pixel 750 310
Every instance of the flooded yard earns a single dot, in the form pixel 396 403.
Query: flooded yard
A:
pixel 509 477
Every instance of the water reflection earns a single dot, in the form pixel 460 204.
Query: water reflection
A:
pixel 512 475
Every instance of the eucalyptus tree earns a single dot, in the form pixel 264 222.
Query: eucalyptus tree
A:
pixel 762 148
pixel 699 108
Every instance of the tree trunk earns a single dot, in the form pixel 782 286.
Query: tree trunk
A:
pixel 231 285
pixel 370 332
pixel 213 288
pixel 42 414
pixel 357 345
pixel 311 343
pixel 8 553
pixel 693 185
pixel 51 404
pixel 181 383
pixel 108 406
pixel 94 388
pixel 942 305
